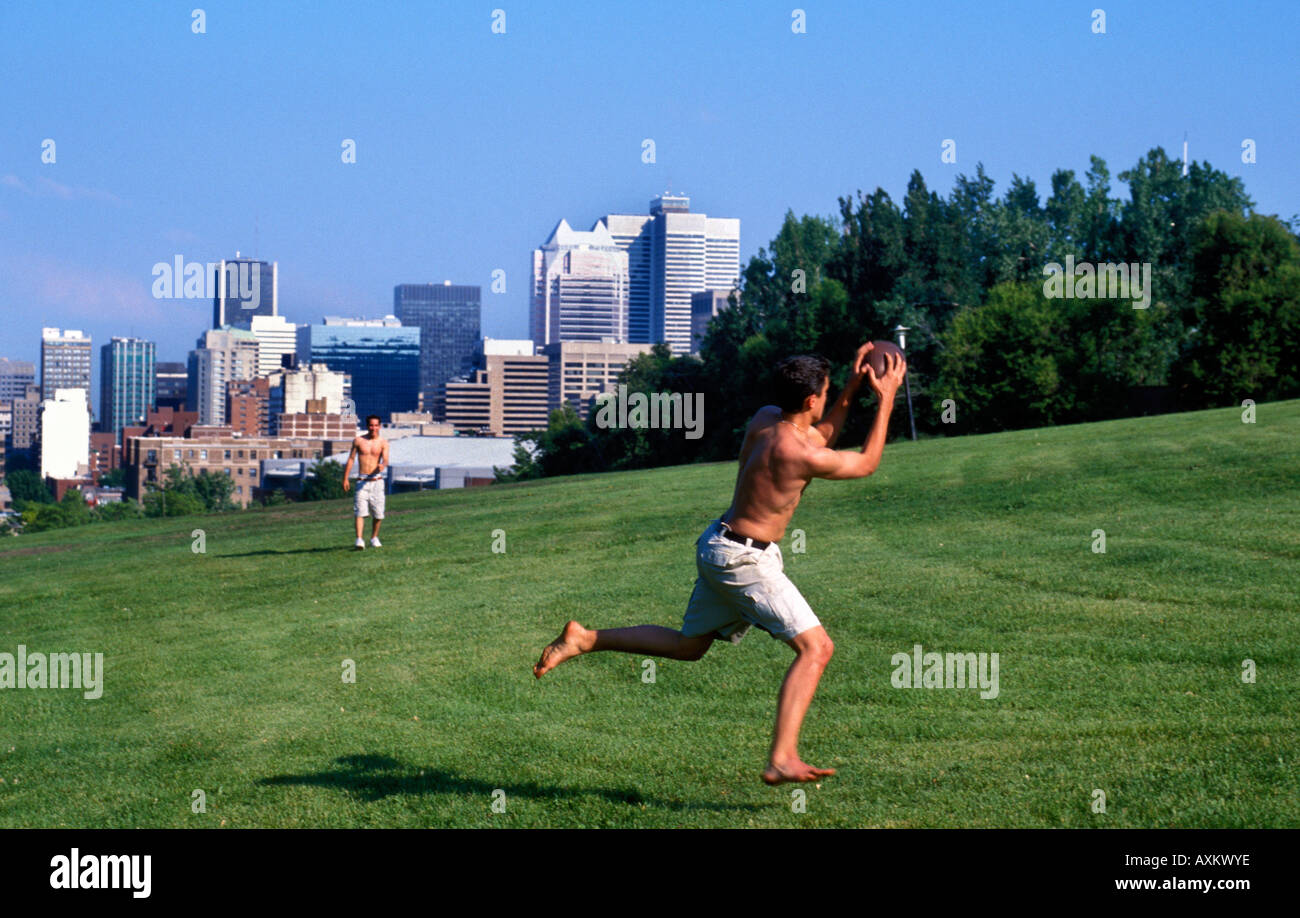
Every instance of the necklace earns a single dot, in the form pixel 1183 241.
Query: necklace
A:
pixel 796 427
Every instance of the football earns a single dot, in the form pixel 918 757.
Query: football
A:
pixel 879 351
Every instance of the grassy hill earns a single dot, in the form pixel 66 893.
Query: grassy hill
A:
pixel 1119 671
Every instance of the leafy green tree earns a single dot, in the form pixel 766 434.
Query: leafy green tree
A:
pixel 172 502
pixel 325 481
pixel 126 509
pixel 113 479
pixel 1246 289
pixel 215 491
pixel 276 498
pixel 28 486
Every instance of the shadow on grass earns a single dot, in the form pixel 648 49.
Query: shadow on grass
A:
pixel 290 551
pixel 374 777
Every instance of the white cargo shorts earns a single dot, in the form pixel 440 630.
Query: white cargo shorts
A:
pixel 739 586
pixel 368 499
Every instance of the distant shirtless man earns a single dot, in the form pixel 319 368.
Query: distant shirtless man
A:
pixel 741 580
pixel 371 452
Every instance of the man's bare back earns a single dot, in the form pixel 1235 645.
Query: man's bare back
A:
pixel 772 477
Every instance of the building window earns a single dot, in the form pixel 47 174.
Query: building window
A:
pixel 227 454
pixel 191 454
pixel 252 454
pixel 203 454
pixel 240 454
pixel 176 454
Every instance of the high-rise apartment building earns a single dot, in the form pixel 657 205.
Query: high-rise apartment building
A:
pixel 245 287
pixel 126 382
pixel 673 253
pixel 381 357
pixel 449 317
pixel 26 420
pixel 65 362
pixel 580 287
pixel 220 355
pixel 248 406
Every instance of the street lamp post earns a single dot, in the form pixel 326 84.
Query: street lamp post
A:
pixel 900 332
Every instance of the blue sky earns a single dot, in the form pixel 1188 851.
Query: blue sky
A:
pixel 472 145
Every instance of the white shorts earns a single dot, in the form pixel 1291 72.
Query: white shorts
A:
pixel 369 498
pixel 739 586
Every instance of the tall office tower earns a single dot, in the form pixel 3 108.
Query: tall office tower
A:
pixel 15 377
pixel 449 317
pixel 171 380
pixel 65 435
pixel 65 362
pixel 221 355
pixel 673 253
pixel 245 287
pixel 382 356
pixel 507 396
pixel 126 383
pixel 581 370
pixel 278 337
pixel 26 419
pixel 580 286
pixel 704 306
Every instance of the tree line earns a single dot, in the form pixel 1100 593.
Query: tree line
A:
pixel 991 346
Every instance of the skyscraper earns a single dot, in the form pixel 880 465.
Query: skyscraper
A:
pixel 580 286
pixel 449 317
pixel 220 355
pixel 673 253
pixel 126 382
pixel 245 287
pixel 380 355
pixel 65 362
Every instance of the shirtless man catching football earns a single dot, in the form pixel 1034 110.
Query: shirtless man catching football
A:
pixel 741 581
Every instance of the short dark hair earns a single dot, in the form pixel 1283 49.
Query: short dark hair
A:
pixel 797 378
pixel 369 416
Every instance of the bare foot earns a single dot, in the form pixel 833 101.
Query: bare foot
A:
pixel 573 640
pixel 796 771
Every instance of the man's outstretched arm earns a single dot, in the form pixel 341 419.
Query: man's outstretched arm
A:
pixel 829 464
pixel 829 427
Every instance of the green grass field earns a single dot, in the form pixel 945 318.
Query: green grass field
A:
pixel 1119 671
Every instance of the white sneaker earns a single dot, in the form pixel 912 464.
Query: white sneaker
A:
pixel 375 543
pixel 360 543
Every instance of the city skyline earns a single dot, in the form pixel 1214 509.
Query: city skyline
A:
pixel 747 117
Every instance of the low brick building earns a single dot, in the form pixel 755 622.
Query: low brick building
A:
pixel 148 458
